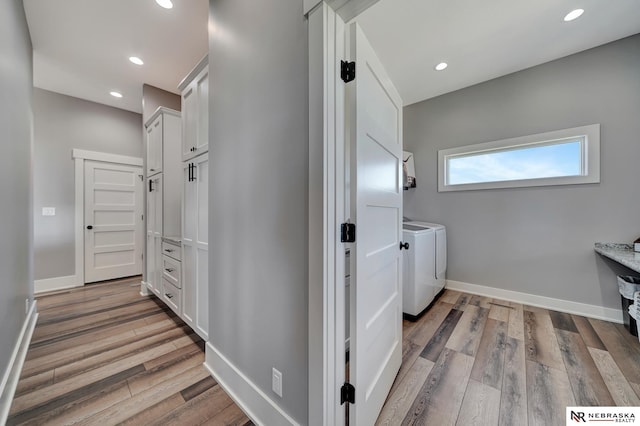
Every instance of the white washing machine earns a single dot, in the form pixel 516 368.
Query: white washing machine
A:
pixel 424 265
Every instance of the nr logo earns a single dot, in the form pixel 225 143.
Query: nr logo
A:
pixel 577 416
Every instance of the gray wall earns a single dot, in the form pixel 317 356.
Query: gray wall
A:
pixel 259 193
pixel 16 226
pixel 152 98
pixel 63 123
pixel 537 240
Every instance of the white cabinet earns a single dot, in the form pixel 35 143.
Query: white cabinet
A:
pixel 154 145
pixel 164 189
pixel 171 276
pixel 154 233
pixel 195 111
pixel 195 245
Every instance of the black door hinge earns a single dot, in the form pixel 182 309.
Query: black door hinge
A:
pixel 348 233
pixel 347 394
pixel 347 71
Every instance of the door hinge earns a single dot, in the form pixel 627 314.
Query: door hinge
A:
pixel 347 394
pixel 347 71
pixel 348 233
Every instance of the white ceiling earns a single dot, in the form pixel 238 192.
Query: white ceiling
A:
pixel 481 40
pixel 81 47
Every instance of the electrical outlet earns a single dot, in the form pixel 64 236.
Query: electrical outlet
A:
pixel 276 382
pixel 26 305
pixel 48 211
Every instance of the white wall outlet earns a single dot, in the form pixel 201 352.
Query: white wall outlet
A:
pixel 48 211
pixel 26 305
pixel 276 382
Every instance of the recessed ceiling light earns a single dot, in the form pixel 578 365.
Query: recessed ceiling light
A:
pixel 574 14
pixel 441 66
pixel 116 94
pixel 165 3
pixel 136 60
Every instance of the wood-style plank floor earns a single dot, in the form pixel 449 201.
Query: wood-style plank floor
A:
pixel 102 354
pixel 473 360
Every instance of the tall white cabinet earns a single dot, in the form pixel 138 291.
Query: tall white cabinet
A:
pixel 163 190
pixel 195 189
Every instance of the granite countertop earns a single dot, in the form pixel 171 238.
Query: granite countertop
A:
pixel 621 253
pixel 172 239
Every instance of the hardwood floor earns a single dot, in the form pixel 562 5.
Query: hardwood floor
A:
pixel 473 360
pixel 102 354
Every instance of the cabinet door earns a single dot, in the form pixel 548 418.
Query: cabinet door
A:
pixel 202 87
pixel 157 231
pixel 151 260
pixel 152 223
pixel 202 245
pixel 189 121
pixel 154 147
pixel 189 295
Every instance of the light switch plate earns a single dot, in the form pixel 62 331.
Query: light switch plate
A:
pixel 48 211
pixel 276 382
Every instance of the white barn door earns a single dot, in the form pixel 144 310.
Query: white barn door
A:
pixel 113 221
pixel 374 111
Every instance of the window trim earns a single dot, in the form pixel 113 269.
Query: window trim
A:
pixel 590 159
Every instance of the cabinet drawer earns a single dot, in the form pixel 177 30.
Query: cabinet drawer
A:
pixel 171 270
pixel 172 296
pixel 171 250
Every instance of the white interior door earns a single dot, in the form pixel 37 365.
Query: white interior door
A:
pixel 113 221
pixel 375 137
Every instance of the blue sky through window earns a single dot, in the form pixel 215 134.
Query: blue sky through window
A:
pixel 533 162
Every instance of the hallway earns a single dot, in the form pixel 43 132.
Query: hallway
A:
pixel 102 354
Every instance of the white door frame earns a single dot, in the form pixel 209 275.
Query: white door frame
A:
pixel 326 29
pixel 79 157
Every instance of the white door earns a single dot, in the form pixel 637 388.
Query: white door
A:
pixel 195 245
pixel 189 294
pixel 154 232
pixel 113 221
pixel 375 137
pixel 154 146
pixel 201 177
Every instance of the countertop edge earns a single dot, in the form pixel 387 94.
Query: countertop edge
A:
pixel 620 253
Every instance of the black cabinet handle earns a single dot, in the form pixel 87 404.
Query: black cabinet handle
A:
pixel 169 270
pixel 169 296
pixel 89 227
pixel 404 246
pixel 169 250
pixel 150 185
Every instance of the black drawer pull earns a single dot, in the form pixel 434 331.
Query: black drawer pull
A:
pixel 169 269
pixel 169 250
pixel 169 296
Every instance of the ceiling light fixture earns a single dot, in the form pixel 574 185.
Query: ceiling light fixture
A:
pixel 136 60
pixel 574 14
pixel 441 66
pixel 116 94
pixel 165 3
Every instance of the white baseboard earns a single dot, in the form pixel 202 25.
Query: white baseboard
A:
pixel 12 373
pixel 144 289
pixel 591 311
pixel 258 406
pixel 57 283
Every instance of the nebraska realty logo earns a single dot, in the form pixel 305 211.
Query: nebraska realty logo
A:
pixel 602 414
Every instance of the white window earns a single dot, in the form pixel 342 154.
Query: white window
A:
pixel 562 157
